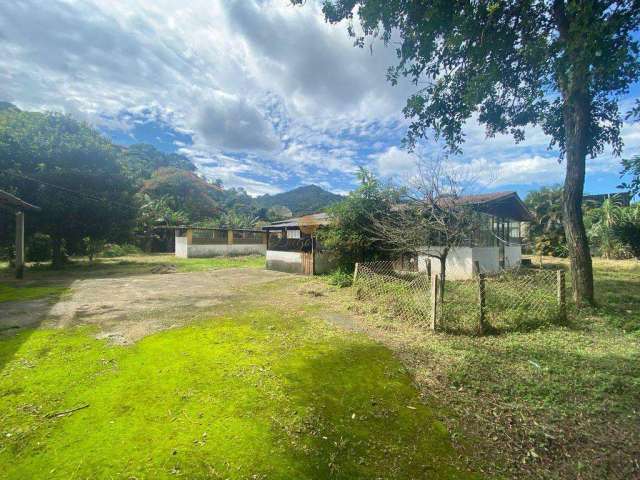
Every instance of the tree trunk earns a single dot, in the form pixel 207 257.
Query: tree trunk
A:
pixel 577 106
pixel 58 258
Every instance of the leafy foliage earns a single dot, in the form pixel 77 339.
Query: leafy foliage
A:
pixel 631 167
pixel 349 234
pixel 546 235
pixel 69 170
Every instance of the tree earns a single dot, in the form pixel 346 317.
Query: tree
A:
pixel 430 218
pixel 631 168
pixel 183 191
pixel 627 230
pixel 546 234
pixel 601 223
pixel 560 64
pixel 349 234
pixel 69 170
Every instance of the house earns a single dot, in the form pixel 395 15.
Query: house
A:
pixel 197 242
pixel 292 245
pixel 621 198
pixel 496 245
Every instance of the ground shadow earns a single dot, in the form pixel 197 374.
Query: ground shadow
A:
pixel 363 418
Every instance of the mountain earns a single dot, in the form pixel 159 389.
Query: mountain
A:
pixel 301 200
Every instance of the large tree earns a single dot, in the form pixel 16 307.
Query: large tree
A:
pixel 69 170
pixel 560 64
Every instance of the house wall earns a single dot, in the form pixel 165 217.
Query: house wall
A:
pixel 460 261
pixel 290 262
pixel 184 250
pixel 512 256
pixel 181 247
pixel 488 258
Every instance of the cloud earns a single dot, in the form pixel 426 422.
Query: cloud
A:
pixel 394 162
pixel 231 123
pixel 268 93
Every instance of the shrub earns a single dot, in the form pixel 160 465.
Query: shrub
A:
pixel 111 250
pixel 39 248
pixel 340 278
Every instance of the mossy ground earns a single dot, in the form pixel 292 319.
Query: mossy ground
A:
pixel 260 394
pixel 16 292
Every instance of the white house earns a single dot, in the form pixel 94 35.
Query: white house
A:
pixel 496 245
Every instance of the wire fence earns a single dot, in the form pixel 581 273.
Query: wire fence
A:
pixel 401 293
pixel 517 300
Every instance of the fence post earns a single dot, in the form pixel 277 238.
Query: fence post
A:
pixel 562 301
pixel 481 302
pixel 435 284
pixel 229 237
pixel 476 267
pixel 355 273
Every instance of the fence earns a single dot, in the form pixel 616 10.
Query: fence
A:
pixel 519 299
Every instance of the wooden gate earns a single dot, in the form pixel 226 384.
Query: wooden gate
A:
pixel 307 263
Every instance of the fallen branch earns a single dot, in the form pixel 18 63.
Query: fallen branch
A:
pixel 66 412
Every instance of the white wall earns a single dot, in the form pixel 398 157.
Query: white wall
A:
pixel 459 263
pixel 512 256
pixel 488 257
pixel 207 251
pixel 460 260
pixel 290 262
pixel 181 247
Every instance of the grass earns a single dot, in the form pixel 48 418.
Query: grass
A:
pixel 14 292
pixel 256 395
pixel 560 401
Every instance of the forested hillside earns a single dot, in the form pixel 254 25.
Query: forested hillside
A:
pixel 301 200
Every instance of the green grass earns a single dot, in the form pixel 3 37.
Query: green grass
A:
pixel 15 292
pixel 256 395
pixel 559 401
pixel 133 264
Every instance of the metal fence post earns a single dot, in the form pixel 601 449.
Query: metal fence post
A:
pixel 435 285
pixel 561 294
pixel 355 273
pixel 481 302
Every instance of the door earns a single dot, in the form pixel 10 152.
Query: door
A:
pixel 307 263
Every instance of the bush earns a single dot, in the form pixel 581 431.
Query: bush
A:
pixel 340 278
pixel 111 250
pixel 39 248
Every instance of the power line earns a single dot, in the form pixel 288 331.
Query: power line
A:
pixel 71 191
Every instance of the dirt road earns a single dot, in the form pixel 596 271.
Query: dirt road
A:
pixel 129 307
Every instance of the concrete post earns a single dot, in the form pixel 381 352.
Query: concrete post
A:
pixel 229 237
pixel 19 244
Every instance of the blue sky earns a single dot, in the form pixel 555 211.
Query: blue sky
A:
pixel 260 94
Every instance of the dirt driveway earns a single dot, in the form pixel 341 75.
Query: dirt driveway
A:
pixel 129 307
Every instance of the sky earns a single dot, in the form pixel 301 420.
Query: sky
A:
pixel 260 94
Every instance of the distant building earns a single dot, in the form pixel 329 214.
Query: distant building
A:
pixel 621 198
